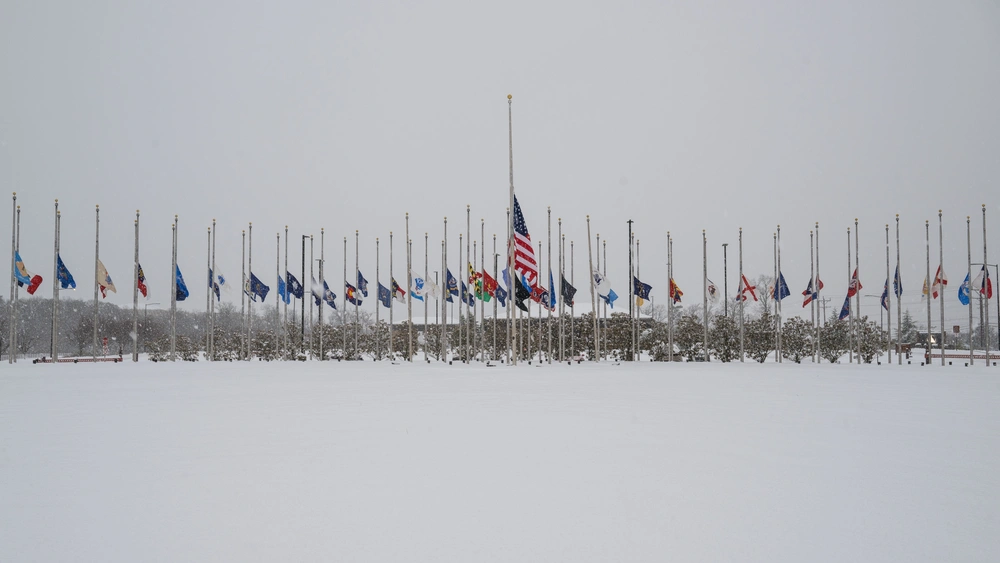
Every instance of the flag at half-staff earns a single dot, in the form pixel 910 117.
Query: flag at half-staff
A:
pixel 525 262
pixel 104 280
pixel 781 288
pixel 66 280
pixel 257 288
pixel 384 295
pixel 897 283
pixel 521 294
pixel 490 286
pixel 845 311
pixel 398 292
pixel 351 293
pixel 642 290
pixel 568 292
pixel 362 284
pixel 940 281
pixel 215 287
pixel 855 285
pixel 885 295
pixel 963 291
pixel 293 287
pixel 603 288
pixel 983 284
pixel 712 291
pixel 24 277
pixel 452 286
pixel 467 296
pixel 675 292
pixel 746 287
pixel 329 296
pixel 182 290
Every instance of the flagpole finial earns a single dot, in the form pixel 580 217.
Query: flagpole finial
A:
pixel 97 206
pixel 57 201
pixel 509 97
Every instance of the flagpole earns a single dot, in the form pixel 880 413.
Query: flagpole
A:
pixel 927 284
pixel 215 276
pixel 812 289
pixel 322 289
pixel 97 253
pixel 426 280
pixel 597 313
pixel 302 309
pixel 983 291
pixel 603 305
pixel 378 283
pixel 284 328
pixel 562 273
pixel 208 294
pixel 670 296
pixel 343 312
pixel 482 291
pixel 742 303
pixel 13 265
pixel 850 315
pixel 468 244
pixel 392 301
pixel 704 291
pixel 888 299
pixel 243 294
pixel 857 294
pixel 250 301
pixel 496 276
pixel 593 302
pixel 357 314
pixel 572 308
pixel 474 330
pixel 307 302
pixel 17 291
pixel 54 353
pixel 445 346
pixel 899 304
pixel 968 288
pixel 779 293
pixel 173 293
pixel 461 298
pixel 941 262
pixel 638 310
pixel 819 313
pixel 409 291
pixel 277 306
pixel 548 262
pixel 511 329
pixel 539 305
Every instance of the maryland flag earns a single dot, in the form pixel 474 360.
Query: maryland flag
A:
pixel 476 282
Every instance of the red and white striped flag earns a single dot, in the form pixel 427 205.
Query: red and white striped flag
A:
pixel 525 262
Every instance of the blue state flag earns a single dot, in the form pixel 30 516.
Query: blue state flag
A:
pixel 641 289
pixel 552 293
pixel 384 295
pixel 329 296
pixel 963 291
pixel 781 288
pixel 501 295
pixel 885 295
pixel 467 297
pixel 257 287
pixel 610 298
pixel 283 292
pixel 182 290
pixel 66 280
pixel 293 286
pixel 897 283
pixel 362 284
pixel 452 286
pixel 845 311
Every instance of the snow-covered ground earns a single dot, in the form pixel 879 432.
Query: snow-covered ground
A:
pixel 380 462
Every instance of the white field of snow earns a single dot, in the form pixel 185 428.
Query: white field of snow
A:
pixel 382 462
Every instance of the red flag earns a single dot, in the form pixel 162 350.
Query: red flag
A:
pixel 142 282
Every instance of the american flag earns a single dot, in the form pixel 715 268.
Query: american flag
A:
pixel 524 256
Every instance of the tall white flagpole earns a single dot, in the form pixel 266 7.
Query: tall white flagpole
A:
pixel 986 325
pixel 572 308
pixel 857 294
pixel 54 353
pixel 426 295
pixel 392 301
pixel 135 290
pixel 243 296
pixel 343 313
pixel 97 253
pixel 561 241
pixel 968 246
pixel 444 294
pixel 812 288
pixel 638 312
pixel 548 261
pixel 482 293
pixel 215 276
pixel 941 266
pixel 173 293
pixel 670 298
pixel 284 328
pixel 899 304
pixel 378 281
pixel 17 248
pixel 819 312
pixel 322 290
pixel 277 306
pixel 409 292
pixel 496 276
pixel 742 302
pixel 511 329
pixel 250 301
pixel 13 284
pixel 888 297
pixel 777 291
pixel 357 314
pixel 704 291
pixel 929 287
pixel 850 316
pixel 461 298
pixel 593 294
pixel 469 260
pixel 601 321
pixel 208 294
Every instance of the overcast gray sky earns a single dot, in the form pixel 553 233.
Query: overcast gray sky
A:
pixel 680 115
